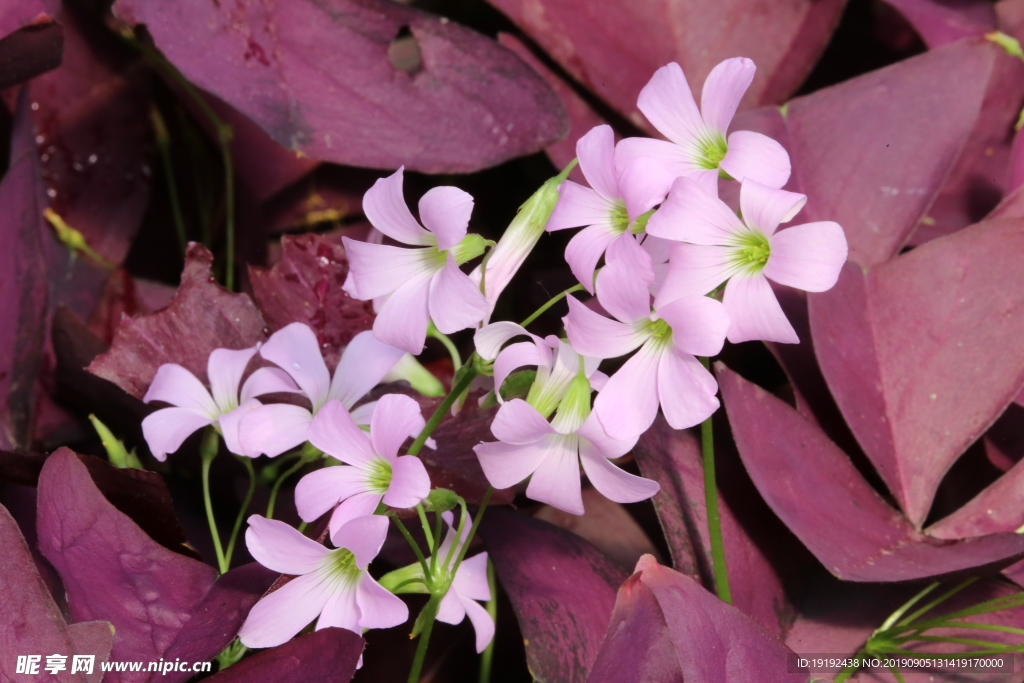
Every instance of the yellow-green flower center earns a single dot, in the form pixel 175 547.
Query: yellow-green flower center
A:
pixel 378 475
pixel 340 567
pixel 750 251
pixel 710 150
pixel 620 219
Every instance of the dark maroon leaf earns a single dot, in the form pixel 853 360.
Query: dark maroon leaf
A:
pixel 818 493
pixel 321 80
pixel 1004 441
pixel 29 52
pixel 939 22
pixel 901 347
pixel 673 458
pixel 23 294
pixel 95 638
pixel 1000 507
pixel 217 618
pixel 667 627
pixel 111 569
pixel 615 51
pixel 325 656
pixel 14 15
pixel 305 286
pixel 562 590
pixel 202 317
pixel 863 158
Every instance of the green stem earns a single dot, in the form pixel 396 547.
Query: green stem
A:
pixel 208 451
pixel 462 380
pixel 416 549
pixel 843 675
pixel 551 302
pixel 487 656
pixel 472 530
pixel 247 462
pixel 277 486
pixel 426 526
pixel 163 143
pixel 443 338
pixel 711 504
pixel 898 614
pixel 421 647
pixel 934 603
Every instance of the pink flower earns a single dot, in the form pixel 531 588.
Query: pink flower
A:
pixel 747 252
pixel 617 206
pixel 372 471
pixel 425 283
pixel 276 428
pixel 468 586
pixel 333 585
pixel 195 408
pixel 698 147
pixel 664 370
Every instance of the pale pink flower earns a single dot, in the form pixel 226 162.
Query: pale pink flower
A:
pixel 333 585
pixel 424 283
pixel 747 252
pixel 195 407
pixel 613 208
pixel 275 428
pixel 469 585
pixel 664 370
pixel 698 147
pixel 373 470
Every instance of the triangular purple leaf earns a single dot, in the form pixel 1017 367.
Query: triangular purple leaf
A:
pixel 329 655
pixel 939 22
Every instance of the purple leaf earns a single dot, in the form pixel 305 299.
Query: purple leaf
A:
pixel 202 317
pixel 22 282
pixel 1000 507
pixel 96 638
pixel 667 627
pixel 562 590
pixel 325 656
pixel 673 458
pixel 615 51
pixel 15 15
pixel 305 286
pixel 863 158
pixel 817 492
pixel 217 618
pixel 111 569
pixel 30 51
pixel 332 83
pixel 1004 441
pixel 900 346
pixel 939 22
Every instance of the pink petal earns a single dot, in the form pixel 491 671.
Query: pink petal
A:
pixel 506 465
pixel 175 385
pixel 359 506
pixel 379 269
pixel 295 349
pixel 628 403
pixel 808 257
pixel 585 249
pixel 489 339
pixel 755 312
pixel 362 414
pixel 518 423
pixel 686 390
pixel 410 482
pixel 556 481
pixel 277 617
pixel 282 548
pixel 595 437
pixel 482 624
pixel 341 610
pixel 385 207
pixel 273 429
pixel 613 483
pixel 643 184
pixel 626 248
pixel 698 323
pixel 667 102
pixel 378 608
pixel 230 427
pixel 363 364
pixel 577 206
pixel 225 368
pixel 659 248
pixel 451 611
pixel 693 270
pixel 402 320
pixel 321 490
pixel 596 152
pixel 516 356
pixel 334 432
pixel 363 536
pixel 167 428
pixel 268 381
pixel 723 90
pixel 445 211
pixel 756 156
pixel 456 302
pixel 470 580
pixel 594 335
pixel 623 293
pixel 672 160
pixel 691 214
pixel 764 207
pixel 394 419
